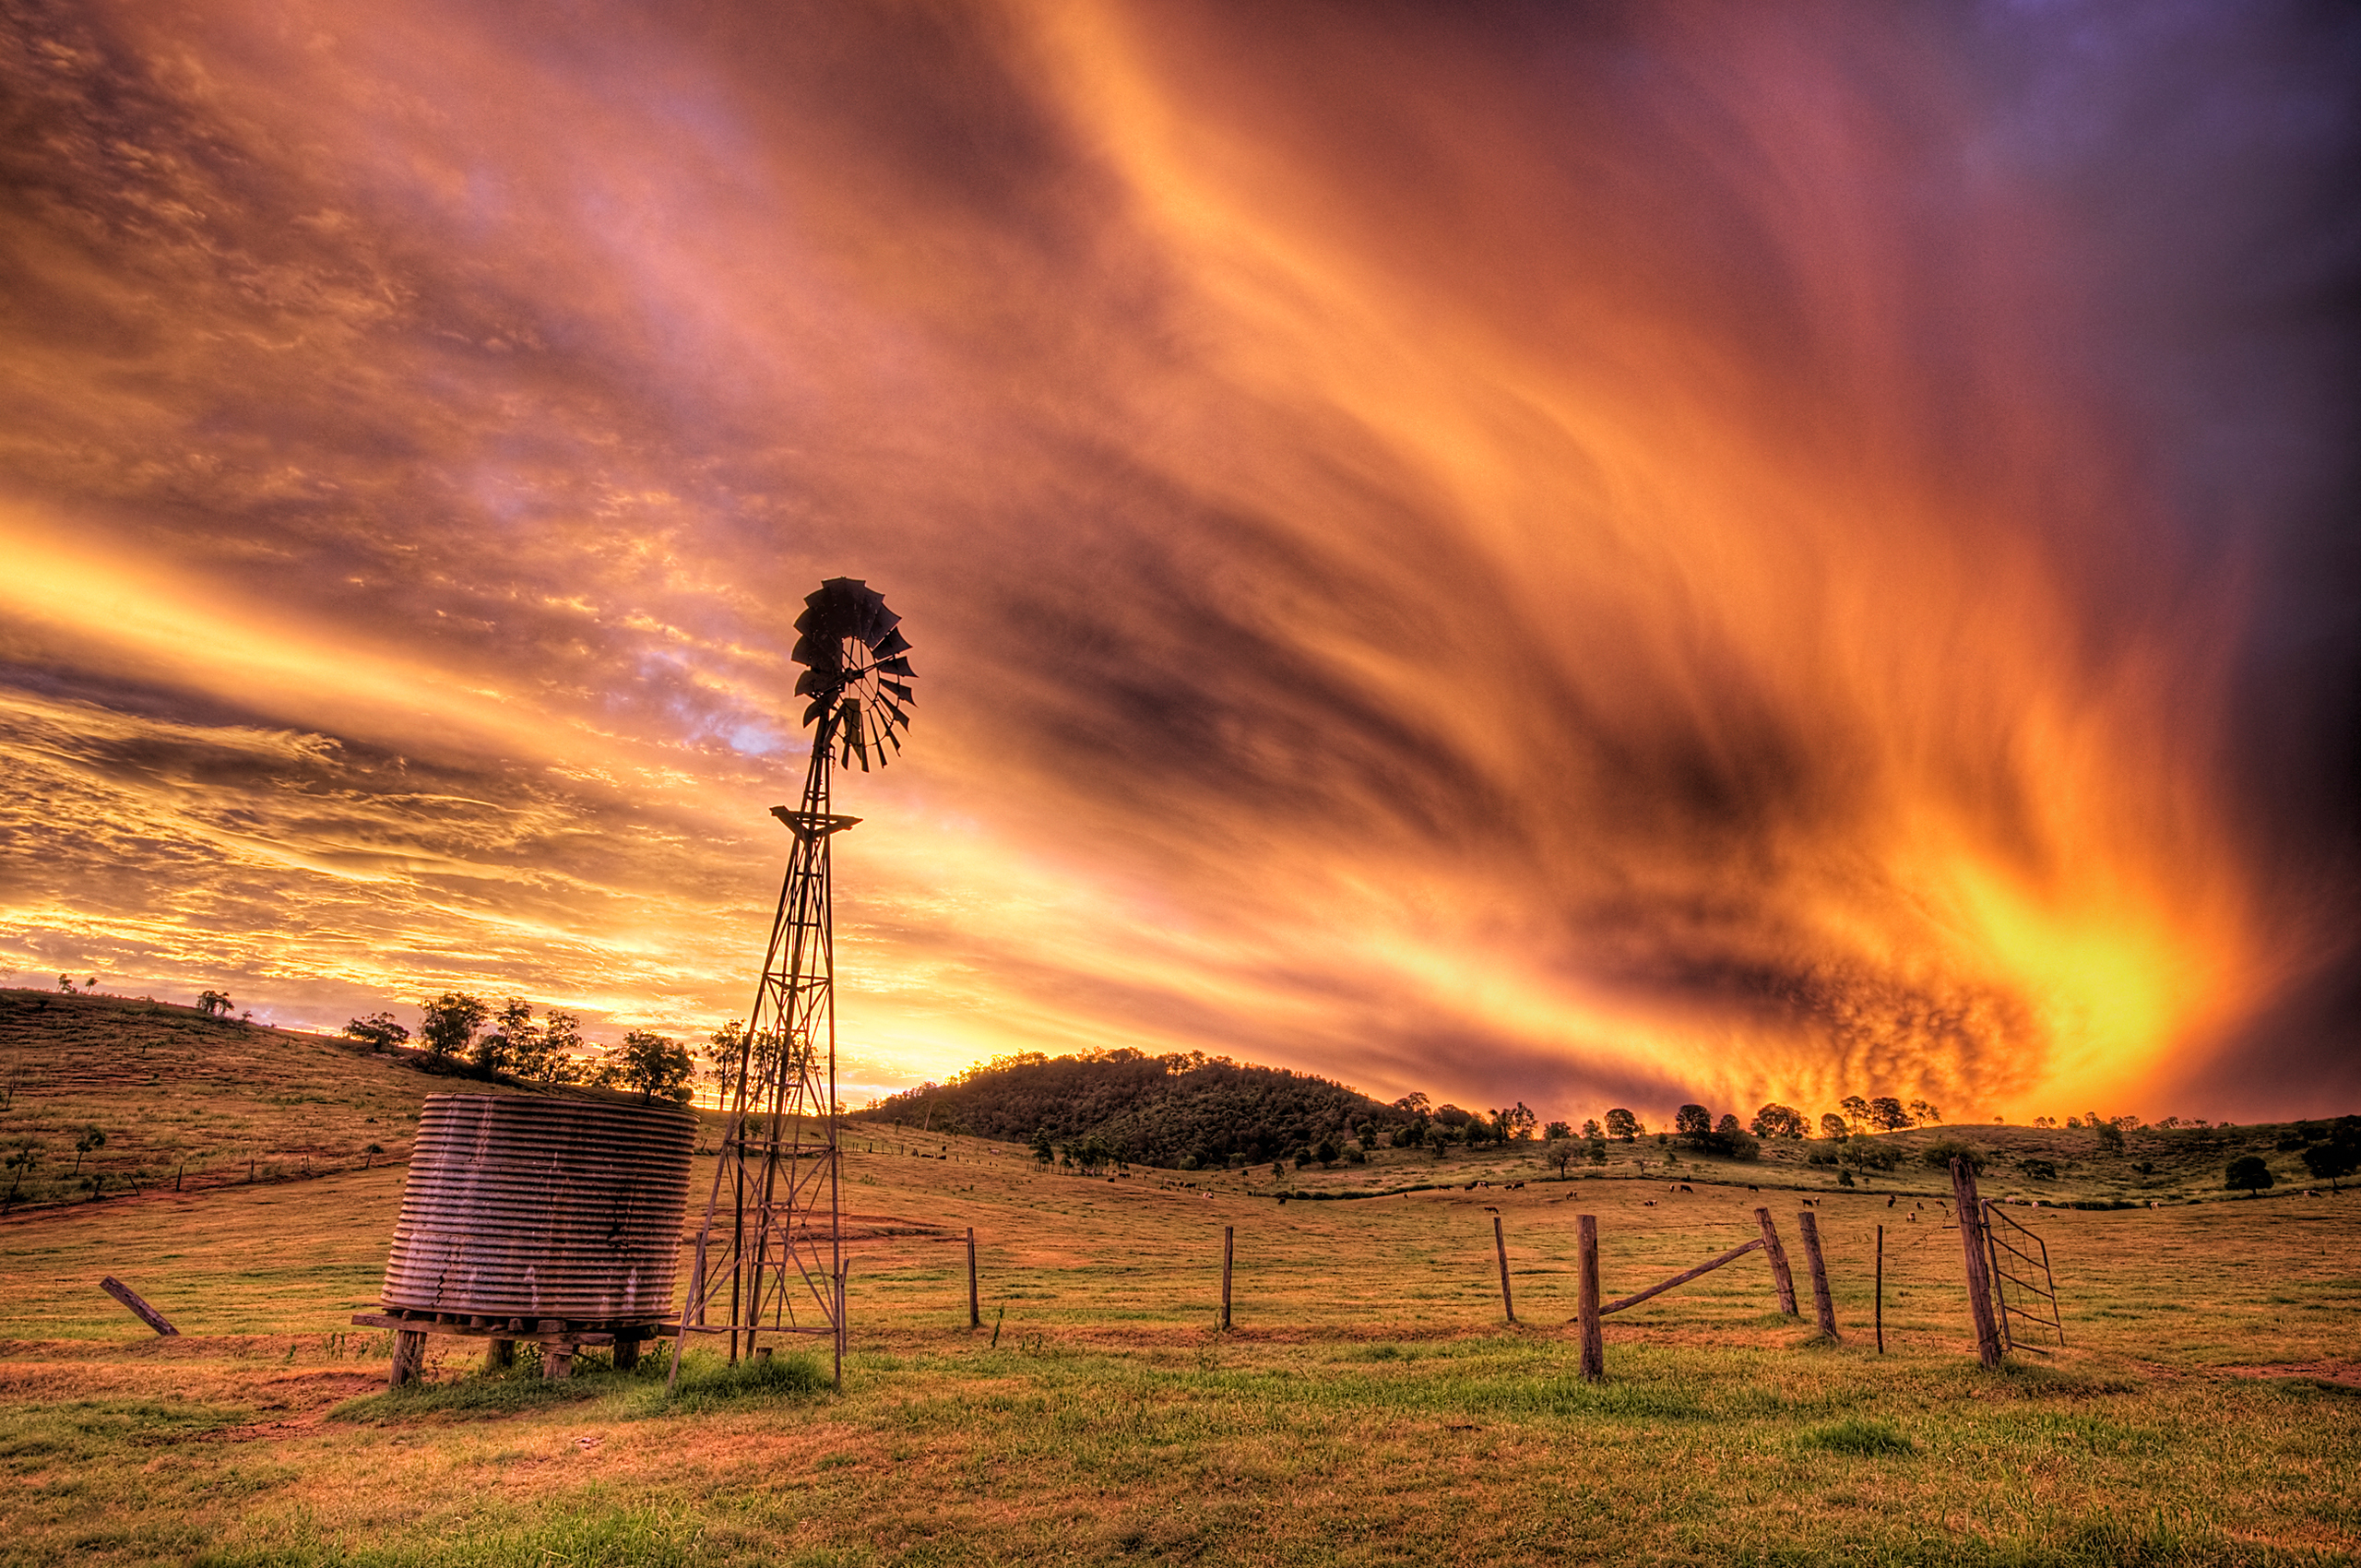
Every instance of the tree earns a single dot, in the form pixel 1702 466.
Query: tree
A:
pixel 1733 1140
pixel 1415 1105
pixel 1832 1126
pixel 65 984
pixel 2340 1155
pixel 1693 1123
pixel 2248 1173
pixel 1887 1115
pixel 512 1039
pixel 1041 1149
pixel 214 1003
pixel 378 1029
pixel 1559 1152
pixel 657 1066
pixel 1622 1123
pixel 451 1021
pixel 87 1141
pixel 1590 1129
pixel 1776 1121
pixel 1855 1110
pixel 20 1162
pixel 1517 1122
pixel 2328 1161
pixel 546 1054
pixel 2110 1137
pixel 1412 1135
pixel 1922 1112
pixel 1556 1130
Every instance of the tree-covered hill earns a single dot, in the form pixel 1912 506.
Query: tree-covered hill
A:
pixel 1162 1110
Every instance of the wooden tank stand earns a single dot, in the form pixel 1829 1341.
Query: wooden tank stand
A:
pixel 558 1339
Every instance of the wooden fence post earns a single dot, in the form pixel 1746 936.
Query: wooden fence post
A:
pixel 1500 1249
pixel 500 1355
pixel 975 1305
pixel 1228 1244
pixel 1586 1296
pixel 1881 1290
pixel 1778 1256
pixel 1822 1308
pixel 1979 1280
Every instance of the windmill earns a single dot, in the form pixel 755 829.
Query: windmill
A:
pixel 769 1259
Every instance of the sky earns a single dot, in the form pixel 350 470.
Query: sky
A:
pixel 1603 555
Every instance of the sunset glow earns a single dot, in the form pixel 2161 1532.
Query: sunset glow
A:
pixel 1726 552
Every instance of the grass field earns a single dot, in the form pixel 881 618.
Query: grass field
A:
pixel 1370 1406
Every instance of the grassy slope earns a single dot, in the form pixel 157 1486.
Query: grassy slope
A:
pixel 178 1093
pixel 1370 1406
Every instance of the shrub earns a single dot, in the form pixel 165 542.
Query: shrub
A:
pixel 2039 1169
pixel 1942 1151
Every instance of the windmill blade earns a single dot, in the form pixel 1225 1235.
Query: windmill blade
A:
pixel 897 665
pixel 891 644
pixel 901 691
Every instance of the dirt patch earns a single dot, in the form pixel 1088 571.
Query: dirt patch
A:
pixel 2345 1375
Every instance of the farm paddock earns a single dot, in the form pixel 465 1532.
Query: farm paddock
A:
pixel 1370 1404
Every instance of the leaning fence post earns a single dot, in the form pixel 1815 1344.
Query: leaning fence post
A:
pixel 1586 1296
pixel 1778 1256
pixel 1228 1244
pixel 975 1307
pixel 1501 1248
pixel 1979 1281
pixel 1822 1308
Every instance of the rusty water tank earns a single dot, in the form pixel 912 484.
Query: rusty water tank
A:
pixel 522 1206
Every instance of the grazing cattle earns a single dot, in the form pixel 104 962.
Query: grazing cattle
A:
pixel 1752 1188
pixel 1690 1189
pixel 1647 1202
pixel 1489 1209
pixel 1471 1186
pixel 1889 1202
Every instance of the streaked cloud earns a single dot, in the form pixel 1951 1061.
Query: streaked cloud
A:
pixel 1737 553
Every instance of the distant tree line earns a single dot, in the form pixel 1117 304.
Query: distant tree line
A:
pixel 509 1041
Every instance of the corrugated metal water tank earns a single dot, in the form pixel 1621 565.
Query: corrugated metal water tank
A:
pixel 518 1206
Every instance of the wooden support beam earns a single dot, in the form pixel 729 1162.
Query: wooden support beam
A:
pixel 1661 1287
pixel 500 1355
pixel 410 1358
pixel 1778 1255
pixel 1586 1297
pixel 139 1309
pixel 1824 1307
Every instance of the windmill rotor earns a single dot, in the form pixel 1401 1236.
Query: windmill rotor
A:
pixel 856 672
